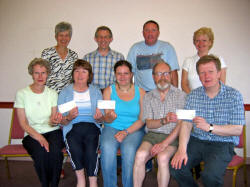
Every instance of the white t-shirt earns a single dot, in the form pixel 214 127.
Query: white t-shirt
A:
pixel 189 65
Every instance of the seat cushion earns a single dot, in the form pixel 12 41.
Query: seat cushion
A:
pixel 236 161
pixel 14 149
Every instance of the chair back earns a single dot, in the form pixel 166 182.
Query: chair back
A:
pixel 16 131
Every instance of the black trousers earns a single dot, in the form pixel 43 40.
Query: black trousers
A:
pixel 48 165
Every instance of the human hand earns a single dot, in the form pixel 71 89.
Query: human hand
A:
pixel 110 116
pixel 98 115
pixel 201 123
pixel 178 159
pixel 157 148
pixel 73 113
pixel 120 136
pixel 171 117
pixel 56 118
pixel 43 142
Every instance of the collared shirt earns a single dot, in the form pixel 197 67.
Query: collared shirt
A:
pixel 225 108
pixel 61 70
pixel 103 67
pixel 154 108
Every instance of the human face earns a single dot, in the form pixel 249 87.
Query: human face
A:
pixel 81 76
pixel 39 75
pixel 123 75
pixel 209 76
pixel 63 39
pixel 103 39
pixel 151 33
pixel 162 77
pixel 202 44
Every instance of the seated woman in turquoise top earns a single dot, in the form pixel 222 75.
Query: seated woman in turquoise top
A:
pixel 123 126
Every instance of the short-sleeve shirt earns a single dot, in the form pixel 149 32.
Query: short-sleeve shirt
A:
pixel 103 67
pixel 225 108
pixel 143 57
pixel 154 108
pixel 61 70
pixel 189 66
pixel 37 107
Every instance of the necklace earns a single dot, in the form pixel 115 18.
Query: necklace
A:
pixel 124 90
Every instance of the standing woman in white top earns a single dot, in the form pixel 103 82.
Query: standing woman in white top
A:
pixel 203 40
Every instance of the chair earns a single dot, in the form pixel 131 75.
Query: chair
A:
pixel 13 150
pixel 239 161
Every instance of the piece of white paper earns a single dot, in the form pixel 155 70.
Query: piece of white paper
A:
pixel 106 104
pixel 185 114
pixel 66 106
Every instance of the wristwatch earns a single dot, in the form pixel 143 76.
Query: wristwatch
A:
pixel 162 121
pixel 211 128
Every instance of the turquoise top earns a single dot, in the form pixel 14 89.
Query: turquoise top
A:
pixel 127 111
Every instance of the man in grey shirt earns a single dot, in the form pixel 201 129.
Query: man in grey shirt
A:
pixel 159 107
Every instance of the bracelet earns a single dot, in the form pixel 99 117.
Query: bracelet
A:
pixel 162 121
pixel 126 131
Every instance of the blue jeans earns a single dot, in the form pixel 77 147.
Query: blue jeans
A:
pixel 128 148
pixel 216 157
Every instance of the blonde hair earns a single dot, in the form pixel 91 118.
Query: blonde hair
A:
pixel 205 31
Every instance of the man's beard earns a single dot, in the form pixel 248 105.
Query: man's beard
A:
pixel 163 84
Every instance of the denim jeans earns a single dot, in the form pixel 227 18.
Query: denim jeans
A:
pixel 128 148
pixel 216 156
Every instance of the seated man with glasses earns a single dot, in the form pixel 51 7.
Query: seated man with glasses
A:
pixel 162 125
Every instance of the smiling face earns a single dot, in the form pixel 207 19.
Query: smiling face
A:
pixel 162 76
pixel 151 33
pixel 80 76
pixel 39 75
pixel 202 44
pixel 209 75
pixel 103 39
pixel 63 38
pixel 123 75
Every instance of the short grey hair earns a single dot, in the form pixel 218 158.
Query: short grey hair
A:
pixel 161 61
pixel 41 62
pixel 63 26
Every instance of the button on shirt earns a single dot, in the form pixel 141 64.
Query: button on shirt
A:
pixel 225 108
pixel 154 108
pixel 103 67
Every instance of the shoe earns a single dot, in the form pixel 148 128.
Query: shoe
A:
pixel 62 174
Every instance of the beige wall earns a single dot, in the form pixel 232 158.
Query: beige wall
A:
pixel 27 27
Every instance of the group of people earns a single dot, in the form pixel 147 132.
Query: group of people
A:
pixel 144 123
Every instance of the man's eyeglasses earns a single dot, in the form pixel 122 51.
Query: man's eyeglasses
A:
pixel 159 74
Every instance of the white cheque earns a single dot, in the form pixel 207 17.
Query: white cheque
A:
pixel 106 104
pixel 185 114
pixel 66 106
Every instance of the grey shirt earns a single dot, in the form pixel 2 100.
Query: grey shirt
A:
pixel 154 108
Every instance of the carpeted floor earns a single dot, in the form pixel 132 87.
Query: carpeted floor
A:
pixel 23 174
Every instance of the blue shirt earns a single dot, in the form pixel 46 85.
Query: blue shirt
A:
pixel 127 111
pixel 103 67
pixel 67 94
pixel 143 57
pixel 227 108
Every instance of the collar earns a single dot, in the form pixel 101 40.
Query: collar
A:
pixel 111 52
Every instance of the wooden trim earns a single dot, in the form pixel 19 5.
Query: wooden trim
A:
pixel 11 104
pixel 247 107
pixel 6 104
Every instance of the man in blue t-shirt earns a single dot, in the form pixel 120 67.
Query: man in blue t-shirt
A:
pixel 145 54
pixel 211 135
